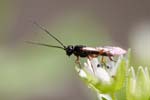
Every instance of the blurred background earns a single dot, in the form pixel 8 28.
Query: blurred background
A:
pixel 30 72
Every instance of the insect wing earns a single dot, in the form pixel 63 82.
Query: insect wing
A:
pixel 112 50
pixel 89 49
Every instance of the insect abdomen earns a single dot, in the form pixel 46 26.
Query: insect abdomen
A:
pixel 87 51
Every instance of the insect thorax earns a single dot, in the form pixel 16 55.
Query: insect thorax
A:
pixel 78 51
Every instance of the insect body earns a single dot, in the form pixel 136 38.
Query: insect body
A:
pixel 81 50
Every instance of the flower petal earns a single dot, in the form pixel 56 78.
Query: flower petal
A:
pixel 103 75
pixel 82 74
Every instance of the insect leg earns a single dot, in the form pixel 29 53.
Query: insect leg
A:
pixel 102 59
pixel 77 61
pixel 110 57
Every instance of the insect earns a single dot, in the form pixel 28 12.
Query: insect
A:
pixel 82 50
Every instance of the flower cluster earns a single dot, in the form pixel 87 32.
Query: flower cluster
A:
pixel 108 77
pixel 104 77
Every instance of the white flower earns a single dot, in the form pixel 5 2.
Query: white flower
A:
pixel 105 77
pixel 95 69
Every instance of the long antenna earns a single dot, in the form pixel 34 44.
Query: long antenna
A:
pixel 43 44
pixel 49 33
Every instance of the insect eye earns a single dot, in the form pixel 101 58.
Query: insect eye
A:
pixel 70 47
pixel 69 50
